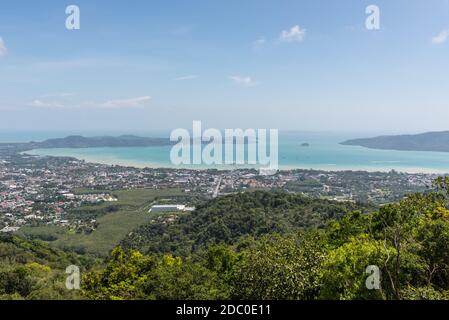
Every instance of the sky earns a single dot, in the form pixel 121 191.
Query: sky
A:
pixel 307 65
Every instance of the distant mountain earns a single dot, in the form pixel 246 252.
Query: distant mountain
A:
pixel 96 142
pixel 430 141
pixel 88 142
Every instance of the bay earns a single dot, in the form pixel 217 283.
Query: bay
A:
pixel 297 150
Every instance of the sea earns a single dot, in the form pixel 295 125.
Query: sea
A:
pixel 297 150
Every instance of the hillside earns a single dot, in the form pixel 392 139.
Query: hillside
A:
pixel 34 270
pixel 88 142
pixel 407 242
pixel 230 218
pixel 268 250
pixel 95 142
pixel 430 141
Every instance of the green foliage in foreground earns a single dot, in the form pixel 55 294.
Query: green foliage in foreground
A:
pixel 33 270
pixel 260 258
pixel 408 241
pixel 131 275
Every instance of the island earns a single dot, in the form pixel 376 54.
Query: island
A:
pixel 88 142
pixel 429 141
pixel 305 144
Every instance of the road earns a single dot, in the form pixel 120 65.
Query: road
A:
pixel 217 188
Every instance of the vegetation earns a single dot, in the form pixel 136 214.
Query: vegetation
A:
pixel 230 218
pixel 87 142
pixel 258 245
pixel 429 141
pixel 407 241
pixel 115 220
pixel 33 270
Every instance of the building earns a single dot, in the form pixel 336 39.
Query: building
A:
pixel 170 208
pixel 9 229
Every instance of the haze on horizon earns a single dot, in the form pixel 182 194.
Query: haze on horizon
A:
pixel 159 65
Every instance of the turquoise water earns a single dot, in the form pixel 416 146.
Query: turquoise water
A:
pixel 324 153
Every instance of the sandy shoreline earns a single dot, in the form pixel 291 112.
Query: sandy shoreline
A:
pixel 146 164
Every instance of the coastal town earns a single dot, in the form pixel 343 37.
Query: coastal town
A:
pixel 45 190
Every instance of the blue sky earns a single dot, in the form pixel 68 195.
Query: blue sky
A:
pixel 151 65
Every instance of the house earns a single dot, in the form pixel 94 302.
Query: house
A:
pixel 170 208
pixel 9 229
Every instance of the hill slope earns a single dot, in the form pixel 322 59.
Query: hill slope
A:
pixel 87 142
pixel 230 218
pixel 34 270
pixel 430 141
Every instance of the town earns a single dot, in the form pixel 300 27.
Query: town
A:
pixel 45 190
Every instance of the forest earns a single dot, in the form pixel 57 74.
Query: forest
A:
pixel 255 245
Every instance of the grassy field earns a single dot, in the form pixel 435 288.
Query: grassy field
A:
pixel 133 206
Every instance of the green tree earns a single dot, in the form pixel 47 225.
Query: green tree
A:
pixel 132 275
pixel 344 269
pixel 121 279
pixel 279 267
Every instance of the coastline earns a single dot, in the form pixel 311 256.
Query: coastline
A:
pixel 115 161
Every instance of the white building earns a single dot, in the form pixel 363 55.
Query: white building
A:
pixel 170 208
pixel 9 229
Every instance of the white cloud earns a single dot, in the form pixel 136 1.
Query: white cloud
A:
pixel 46 104
pixel 130 103
pixel 243 81
pixel 295 34
pixel 138 102
pixel 189 77
pixel 3 49
pixel 441 37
